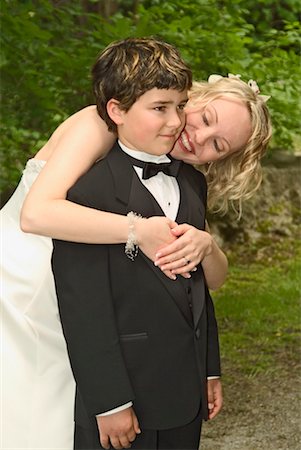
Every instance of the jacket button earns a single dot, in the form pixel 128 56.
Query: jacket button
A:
pixel 197 334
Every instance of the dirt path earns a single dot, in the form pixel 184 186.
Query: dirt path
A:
pixel 260 413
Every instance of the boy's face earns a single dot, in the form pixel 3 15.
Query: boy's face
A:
pixel 154 122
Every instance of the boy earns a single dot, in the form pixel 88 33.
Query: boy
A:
pixel 138 342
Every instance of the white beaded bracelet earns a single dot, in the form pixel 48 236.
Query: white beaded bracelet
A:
pixel 131 246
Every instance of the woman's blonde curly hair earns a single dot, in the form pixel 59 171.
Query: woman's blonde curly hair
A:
pixel 236 177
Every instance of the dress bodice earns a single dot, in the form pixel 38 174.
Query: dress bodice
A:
pixel 31 171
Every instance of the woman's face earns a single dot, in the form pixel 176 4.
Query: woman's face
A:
pixel 214 132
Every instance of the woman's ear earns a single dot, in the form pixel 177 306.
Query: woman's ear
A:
pixel 114 111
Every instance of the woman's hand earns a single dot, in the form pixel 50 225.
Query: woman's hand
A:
pixel 185 253
pixel 192 247
pixel 153 234
pixel 179 249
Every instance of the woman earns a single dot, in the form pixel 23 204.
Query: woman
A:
pixel 37 382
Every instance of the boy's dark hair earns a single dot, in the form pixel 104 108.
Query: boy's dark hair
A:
pixel 127 69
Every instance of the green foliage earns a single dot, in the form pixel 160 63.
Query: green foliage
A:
pixel 260 43
pixel 48 48
pixel 258 312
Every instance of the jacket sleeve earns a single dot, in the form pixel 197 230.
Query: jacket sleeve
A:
pixel 82 280
pixel 213 352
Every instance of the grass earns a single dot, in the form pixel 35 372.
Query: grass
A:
pixel 259 316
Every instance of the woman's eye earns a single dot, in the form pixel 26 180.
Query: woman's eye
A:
pixel 216 147
pixel 205 120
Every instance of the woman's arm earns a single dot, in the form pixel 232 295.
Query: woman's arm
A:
pixel 72 149
pixel 215 266
pixel 70 152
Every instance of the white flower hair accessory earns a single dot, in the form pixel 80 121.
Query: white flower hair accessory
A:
pixel 252 83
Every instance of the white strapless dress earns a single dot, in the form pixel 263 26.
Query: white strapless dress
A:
pixel 37 386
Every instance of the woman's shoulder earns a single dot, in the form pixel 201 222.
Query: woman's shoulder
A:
pixel 80 120
pixel 85 117
pixel 88 112
pixel 76 128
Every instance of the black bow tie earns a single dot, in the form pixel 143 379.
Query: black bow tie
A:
pixel 151 169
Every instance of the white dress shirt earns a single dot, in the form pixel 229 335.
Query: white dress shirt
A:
pixel 164 188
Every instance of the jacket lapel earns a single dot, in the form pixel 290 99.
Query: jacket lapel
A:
pixel 192 211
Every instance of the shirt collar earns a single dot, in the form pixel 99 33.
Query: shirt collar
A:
pixel 142 156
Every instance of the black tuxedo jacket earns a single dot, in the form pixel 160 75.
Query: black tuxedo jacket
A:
pixel 132 333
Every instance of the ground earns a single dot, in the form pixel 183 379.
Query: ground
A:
pixel 260 413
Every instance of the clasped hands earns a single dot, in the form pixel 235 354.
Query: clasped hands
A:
pixel 176 249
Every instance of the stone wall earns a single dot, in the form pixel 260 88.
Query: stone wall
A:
pixel 274 211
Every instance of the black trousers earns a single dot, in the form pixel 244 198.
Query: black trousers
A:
pixel 181 438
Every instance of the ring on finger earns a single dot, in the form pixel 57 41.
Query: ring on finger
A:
pixel 187 261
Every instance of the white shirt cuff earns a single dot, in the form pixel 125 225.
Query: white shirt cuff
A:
pixel 115 410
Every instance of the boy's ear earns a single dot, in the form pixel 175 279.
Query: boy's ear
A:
pixel 114 111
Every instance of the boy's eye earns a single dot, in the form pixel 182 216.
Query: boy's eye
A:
pixel 160 108
pixel 182 106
